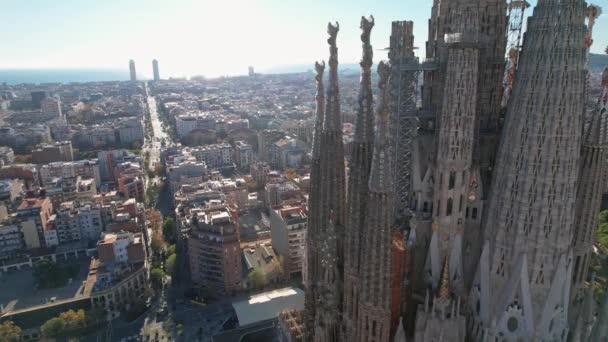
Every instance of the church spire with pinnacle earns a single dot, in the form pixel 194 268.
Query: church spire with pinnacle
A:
pixel 327 216
pixel 360 163
pixel 312 258
pixel 374 320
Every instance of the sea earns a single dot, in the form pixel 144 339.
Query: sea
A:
pixel 36 76
pixel 597 63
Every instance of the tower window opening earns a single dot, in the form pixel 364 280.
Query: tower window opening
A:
pixel 452 180
pixel 449 207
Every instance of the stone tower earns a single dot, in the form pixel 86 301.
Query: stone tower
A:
pixel 590 188
pixel 327 215
pixel 314 208
pixel 374 309
pixel 358 185
pixel 455 141
pixel 522 287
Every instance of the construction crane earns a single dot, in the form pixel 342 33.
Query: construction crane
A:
pixel 515 14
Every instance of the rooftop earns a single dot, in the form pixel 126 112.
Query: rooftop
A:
pixel 268 305
pixel 30 203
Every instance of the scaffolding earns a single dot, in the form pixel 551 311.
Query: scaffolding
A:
pixel 406 69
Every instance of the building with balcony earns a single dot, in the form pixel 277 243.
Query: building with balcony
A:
pixel 214 250
pixel 71 169
pixel 56 152
pixel 118 277
pixel 51 107
pixel 214 155
pixel 76 223
pixel 243 155
pixel 11 239
pixel 34 215
pixel 288 225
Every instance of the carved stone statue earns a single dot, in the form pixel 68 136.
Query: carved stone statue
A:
pixel 366 27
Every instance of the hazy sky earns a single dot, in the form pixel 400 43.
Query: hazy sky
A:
pixel 201 36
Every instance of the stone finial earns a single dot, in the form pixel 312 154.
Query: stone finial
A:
pixel 384 71
pixel 332 30
pixel 366 28
pixel 320 97
pixel 364 130
pixel 380 175
pixel 319 69
pixel 333 120
pixel 444 283
pixel 593 12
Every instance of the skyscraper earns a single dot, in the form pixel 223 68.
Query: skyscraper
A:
pixel 155 70
pixel 132 72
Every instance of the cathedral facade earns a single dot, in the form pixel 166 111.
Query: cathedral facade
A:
pixel 497 207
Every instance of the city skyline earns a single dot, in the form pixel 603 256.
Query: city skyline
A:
pixel 106 36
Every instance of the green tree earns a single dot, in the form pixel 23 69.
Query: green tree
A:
pixel 54 327
pixel 169 228
pixel 257 279
pixel 50 274
pixel 73 319
pixel 171 249
pixel 10 332
pixel 156 276
pixel 170 264
pixel 604 216
pixel 47 273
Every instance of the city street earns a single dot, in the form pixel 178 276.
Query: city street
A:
pixel 154 145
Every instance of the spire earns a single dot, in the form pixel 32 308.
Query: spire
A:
pixel 380 179
pixel 533 169
pixel 320 97
pixel 364 130
pixel 327 210
pixel 357 196
pixel 376 253
pixel 333 121
pixel 592 13
pixel 597 131
pixel 444 283
pixel 400 334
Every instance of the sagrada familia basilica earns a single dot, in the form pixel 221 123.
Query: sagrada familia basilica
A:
pixel 468 207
